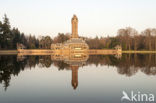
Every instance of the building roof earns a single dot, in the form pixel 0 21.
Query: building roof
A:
pixel 118 46
pixel 75 40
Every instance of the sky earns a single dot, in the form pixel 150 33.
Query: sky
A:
pixel 96 17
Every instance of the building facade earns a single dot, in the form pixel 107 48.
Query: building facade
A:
pixel 74 45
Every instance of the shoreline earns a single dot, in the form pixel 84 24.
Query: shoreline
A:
pixel 9 52
pixel 14 52
pixel 138 52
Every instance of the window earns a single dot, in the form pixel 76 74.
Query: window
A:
pixel 78 48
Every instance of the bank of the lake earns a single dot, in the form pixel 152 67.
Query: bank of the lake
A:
pixel 140 52
pixel 42 50
pixel 8 52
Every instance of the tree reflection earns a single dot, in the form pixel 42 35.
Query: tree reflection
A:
pixel 9 66
pixel 45 61
pixel 128 65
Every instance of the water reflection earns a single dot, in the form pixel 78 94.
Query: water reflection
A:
pixel 74 61
pixel 128 64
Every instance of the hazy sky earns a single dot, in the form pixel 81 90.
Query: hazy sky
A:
pixel 96 17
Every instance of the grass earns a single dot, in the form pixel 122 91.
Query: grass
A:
pixel 8 52
pixel 141 52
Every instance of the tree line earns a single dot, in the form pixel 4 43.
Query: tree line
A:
pixel 9 37
pixel 129 38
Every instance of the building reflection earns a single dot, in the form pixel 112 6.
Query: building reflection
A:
pixel 74 60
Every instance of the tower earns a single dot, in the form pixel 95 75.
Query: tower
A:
pixel 74 22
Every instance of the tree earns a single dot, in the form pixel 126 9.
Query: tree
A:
pixel 1 33
pixel 24 41
pixel 45 42
pixel 61 38
pixel 6 34
pixel 153 33
pixel 122 35
pixel 127 36
pixel 16 37
pixel 32 42
pixel 10 37
pixel 148 42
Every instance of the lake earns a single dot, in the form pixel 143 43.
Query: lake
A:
pixel 97 79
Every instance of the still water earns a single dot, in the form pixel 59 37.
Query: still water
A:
pixel 98 79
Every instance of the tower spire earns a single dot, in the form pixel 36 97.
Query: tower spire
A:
pixel 74 22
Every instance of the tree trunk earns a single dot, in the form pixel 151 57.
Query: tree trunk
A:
pixel 129 47
pixel 135 45
pixel 155 43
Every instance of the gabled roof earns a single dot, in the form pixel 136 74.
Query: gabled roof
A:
pixel 75 40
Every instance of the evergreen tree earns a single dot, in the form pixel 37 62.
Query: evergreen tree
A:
pixel 6 35
pixel 16 37
pixel 1 34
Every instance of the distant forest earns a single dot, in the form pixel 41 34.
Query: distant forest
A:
pixel 128 38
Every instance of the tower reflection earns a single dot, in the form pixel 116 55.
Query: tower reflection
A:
pixel 75 60
pixel 74 76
